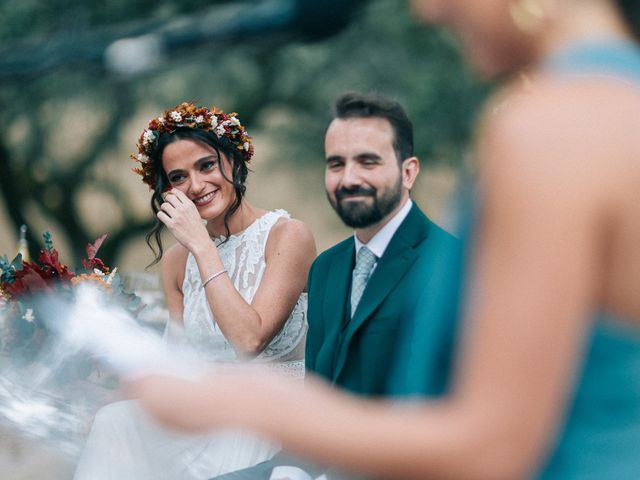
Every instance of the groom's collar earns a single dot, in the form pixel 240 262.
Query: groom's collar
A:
pixel 379 242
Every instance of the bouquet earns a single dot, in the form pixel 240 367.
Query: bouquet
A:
pixel 29 290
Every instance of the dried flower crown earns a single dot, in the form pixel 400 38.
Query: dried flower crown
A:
pixel 188 115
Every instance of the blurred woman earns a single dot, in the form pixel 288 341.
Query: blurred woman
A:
pixel 546 382
pixel 234 285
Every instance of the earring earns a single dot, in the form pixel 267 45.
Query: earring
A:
pixel 527 15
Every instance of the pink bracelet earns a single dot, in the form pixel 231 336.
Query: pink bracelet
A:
pixel 217 274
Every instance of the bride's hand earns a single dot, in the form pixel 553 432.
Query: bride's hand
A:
pixel 183 220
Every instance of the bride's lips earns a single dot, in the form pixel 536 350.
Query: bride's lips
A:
pixel 205 199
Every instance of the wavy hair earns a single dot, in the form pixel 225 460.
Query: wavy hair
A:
pixel 630 10
pixel 239 172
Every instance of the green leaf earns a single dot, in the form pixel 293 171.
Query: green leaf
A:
pixel 48 240
pixel 17 263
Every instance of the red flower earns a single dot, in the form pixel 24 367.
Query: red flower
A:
pixel 30 279
pixel 51 267
pixel 92 262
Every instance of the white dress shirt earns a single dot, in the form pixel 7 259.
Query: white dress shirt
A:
pixel 380 241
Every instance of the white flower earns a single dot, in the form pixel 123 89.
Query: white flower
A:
pixel 175 116
pixel 28 315
pixel 246 146
pixel 214 121
pixel 220 130
pixel 148 137
pixel 111 275
pixel 234 121
pixel 142 158
pixel 161 120
pixel 199 119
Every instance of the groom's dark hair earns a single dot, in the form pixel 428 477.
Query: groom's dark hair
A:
pixel 372 105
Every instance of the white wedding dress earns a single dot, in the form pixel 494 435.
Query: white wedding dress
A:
pixel 124 443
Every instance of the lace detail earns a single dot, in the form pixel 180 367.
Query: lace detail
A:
pixel 291 369
pixel 243 257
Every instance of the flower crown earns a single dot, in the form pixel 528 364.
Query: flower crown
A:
pixel 188 115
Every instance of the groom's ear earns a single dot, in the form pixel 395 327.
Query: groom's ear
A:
pixel 410 170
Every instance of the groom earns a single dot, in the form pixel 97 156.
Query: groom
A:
pixel 360 289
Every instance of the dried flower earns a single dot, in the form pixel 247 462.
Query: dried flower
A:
pixel 188 115
pixel 28 315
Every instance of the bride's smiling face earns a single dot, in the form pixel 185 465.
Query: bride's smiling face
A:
pixel 195 169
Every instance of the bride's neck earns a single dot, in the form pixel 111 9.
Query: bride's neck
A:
pixel 244 216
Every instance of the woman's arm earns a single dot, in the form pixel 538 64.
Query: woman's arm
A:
pixel 290 250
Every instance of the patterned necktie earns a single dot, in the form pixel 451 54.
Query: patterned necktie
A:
pixel 365 260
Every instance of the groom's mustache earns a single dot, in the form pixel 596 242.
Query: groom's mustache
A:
pixel 344 192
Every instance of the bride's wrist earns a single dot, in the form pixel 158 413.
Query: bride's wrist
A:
pixel 208 261
pixel 203 249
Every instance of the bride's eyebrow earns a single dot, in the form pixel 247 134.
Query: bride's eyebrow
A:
pixel 198 163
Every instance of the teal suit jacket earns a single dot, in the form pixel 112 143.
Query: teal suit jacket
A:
pixel 357 353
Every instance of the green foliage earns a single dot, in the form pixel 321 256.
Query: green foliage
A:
pixel 8 268
pixel 48 241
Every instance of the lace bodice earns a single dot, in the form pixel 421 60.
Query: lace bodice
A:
pixel 243 257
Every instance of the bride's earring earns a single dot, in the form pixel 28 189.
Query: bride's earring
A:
pixel 528 15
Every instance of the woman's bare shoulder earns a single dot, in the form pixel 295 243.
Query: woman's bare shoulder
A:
pixel 291 234
pixel 549 108
pixel 561 131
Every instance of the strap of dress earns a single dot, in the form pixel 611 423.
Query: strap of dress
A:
pixel 602 57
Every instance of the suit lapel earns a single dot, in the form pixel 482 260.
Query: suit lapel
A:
pixel 397 259
pixel 337 290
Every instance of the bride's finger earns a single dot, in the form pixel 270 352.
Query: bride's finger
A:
pixel 164 217
pixel 168 208
pixel 172 198
pixel 180 195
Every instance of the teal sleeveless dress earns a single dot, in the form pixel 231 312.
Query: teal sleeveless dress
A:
pixel 600 435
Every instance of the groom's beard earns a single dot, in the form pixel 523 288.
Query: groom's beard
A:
pixel 364 213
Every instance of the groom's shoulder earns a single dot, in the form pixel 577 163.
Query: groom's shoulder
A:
pixel 340 248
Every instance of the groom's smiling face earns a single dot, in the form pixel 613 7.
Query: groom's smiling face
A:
pixel 363 176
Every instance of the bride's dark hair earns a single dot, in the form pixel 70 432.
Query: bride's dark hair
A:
pixel 631 11
pixel 239 172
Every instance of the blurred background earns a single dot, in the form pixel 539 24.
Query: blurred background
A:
pixel 79 80
pixel 74 101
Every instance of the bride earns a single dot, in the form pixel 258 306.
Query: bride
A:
pixel 234 284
